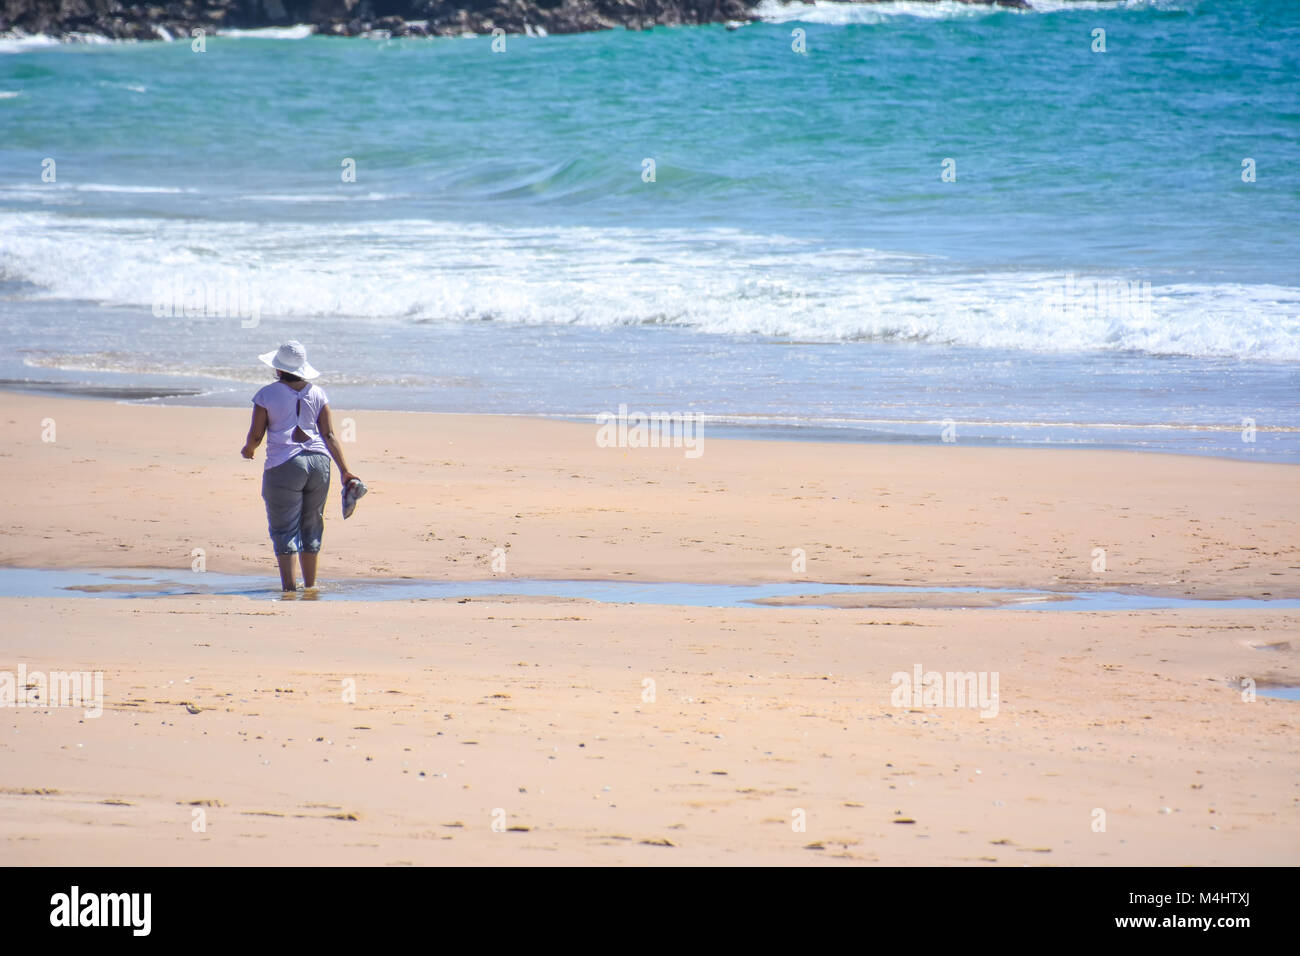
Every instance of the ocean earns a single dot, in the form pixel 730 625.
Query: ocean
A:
pixel 898 222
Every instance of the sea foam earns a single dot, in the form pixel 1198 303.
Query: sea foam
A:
pixel 715 280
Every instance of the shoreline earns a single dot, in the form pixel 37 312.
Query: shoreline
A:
pixel 723 426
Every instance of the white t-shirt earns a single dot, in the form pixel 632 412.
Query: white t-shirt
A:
pixel 287 409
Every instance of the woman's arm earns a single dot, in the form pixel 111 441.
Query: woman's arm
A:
pixel 256 432
pixel 326 427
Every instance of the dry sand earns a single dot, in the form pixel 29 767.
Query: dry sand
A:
pixel 538 708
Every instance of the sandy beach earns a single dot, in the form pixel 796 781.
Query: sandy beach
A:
pixel 523 731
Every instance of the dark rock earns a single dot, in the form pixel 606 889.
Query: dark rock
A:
pixel 130 20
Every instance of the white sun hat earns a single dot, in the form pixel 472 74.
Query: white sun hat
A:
pixel 290 357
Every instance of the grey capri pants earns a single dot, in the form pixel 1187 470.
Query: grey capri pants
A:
pixel 295 494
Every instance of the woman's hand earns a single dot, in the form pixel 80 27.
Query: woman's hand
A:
pixel 248 451
pixel 348 476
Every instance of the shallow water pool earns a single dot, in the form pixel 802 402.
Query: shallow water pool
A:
pixel 153 583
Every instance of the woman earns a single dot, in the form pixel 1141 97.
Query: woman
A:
pixel 295 416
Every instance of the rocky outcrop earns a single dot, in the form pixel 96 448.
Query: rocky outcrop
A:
pixel 150 21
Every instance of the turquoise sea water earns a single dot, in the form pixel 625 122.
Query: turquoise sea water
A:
pixel 1098 273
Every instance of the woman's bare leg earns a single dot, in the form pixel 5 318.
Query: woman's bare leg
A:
pixel 308 561
pixel 287 581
